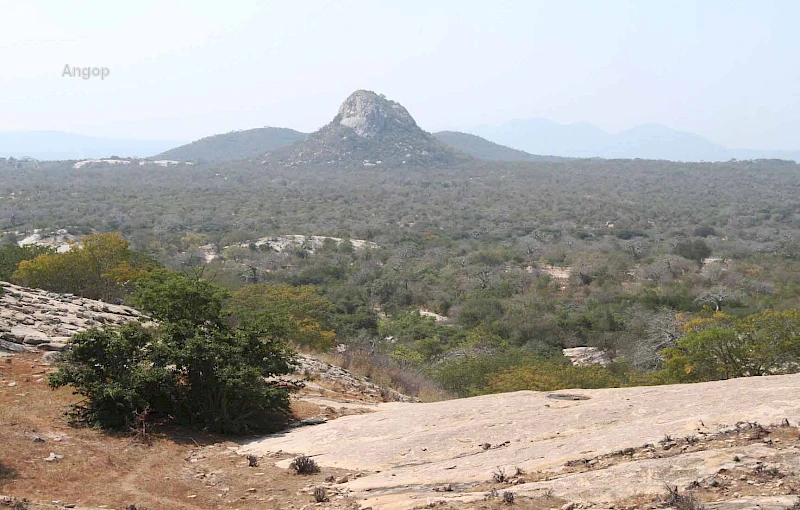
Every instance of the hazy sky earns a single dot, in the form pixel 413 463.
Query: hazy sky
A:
pixel 182 70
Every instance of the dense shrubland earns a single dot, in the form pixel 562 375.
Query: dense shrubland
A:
pixel 523 259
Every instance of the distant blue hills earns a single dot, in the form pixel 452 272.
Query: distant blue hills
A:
pixel 56 145
pixel 647 141
pixel 537 137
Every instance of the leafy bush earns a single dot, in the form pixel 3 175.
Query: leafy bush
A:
pixel 705 231
pixel 696 250
pixel 553 375
pixel 306 312
pixel 722 348
pixel 113 370
pixel 469 375
pixel 172 297
pixel 193 367
pixel 11 255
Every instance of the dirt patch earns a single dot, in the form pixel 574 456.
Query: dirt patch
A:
pixel 94 469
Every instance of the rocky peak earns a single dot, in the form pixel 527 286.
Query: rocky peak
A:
pixel 368 113
pixel 368 131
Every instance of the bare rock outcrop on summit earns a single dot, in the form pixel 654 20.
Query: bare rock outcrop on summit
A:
pixel 368 114
pixel 368 131
pixel 33 319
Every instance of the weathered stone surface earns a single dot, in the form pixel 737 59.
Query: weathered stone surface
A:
pixel 46 320
pixel 51 356
pixel 53 346
pixel 5 345
pixel 586 356
pixel 346 383
pixel 410 447
pixel 367 113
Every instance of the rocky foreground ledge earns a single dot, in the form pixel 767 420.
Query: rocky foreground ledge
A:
pixel 33 319
pixel 737 440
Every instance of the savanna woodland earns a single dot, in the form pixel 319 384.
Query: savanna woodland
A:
pixel 479 275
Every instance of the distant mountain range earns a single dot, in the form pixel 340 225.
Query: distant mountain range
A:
pixel 370 128
pixel 647 141
pixel 53 145
pixel 254 143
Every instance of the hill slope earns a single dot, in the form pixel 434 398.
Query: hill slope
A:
pixel 482 148
pixel 369 130
pixel 235 145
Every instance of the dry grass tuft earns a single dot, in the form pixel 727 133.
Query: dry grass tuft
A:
pixel 304 465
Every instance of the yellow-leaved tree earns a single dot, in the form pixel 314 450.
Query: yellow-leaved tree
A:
pixel 99 266
pixel 307 311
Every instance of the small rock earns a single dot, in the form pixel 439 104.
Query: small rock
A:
pixel 53 457
pixel 51 356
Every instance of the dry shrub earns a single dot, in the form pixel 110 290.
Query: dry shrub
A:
pixel 13 503
pixel 7 472
pixel 681 501
pixel 385 372
pixel 140 430
pixel 304 465
pixel 500 476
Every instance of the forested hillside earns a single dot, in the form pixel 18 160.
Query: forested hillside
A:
pixel 519 259
pixel 250 143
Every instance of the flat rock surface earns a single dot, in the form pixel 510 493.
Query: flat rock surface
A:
pixel 407 450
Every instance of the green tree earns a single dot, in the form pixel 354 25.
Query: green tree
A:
pixel 761 344
pixel 11 255
pixel 193 366
pixel 175 298
pixel 304 311
pixel 696 250
pixel 114 371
